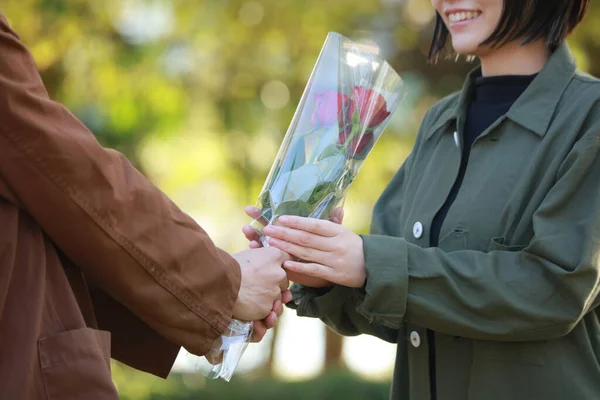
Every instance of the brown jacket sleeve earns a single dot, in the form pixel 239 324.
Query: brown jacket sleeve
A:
pixel 127 237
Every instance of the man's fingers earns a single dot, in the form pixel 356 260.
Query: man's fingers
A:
pixel 284 285
pixel 260 328
pixel 278 308
pixel 271 320
pixel 214 360
pixel 286 296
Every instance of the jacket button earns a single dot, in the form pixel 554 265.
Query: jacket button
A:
pixel 415 339
pixel 456 141
pixel 417 230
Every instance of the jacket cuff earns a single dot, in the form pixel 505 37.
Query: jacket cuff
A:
pixel 234 277
pixel 386 288
pixel 318 302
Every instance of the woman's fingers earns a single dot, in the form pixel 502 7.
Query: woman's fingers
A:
pixel 311 269
pixel 317 226
pixel 255 213
pixel 337 216
pixel 249 233
pixel 252 237
pixel 306 280
pixel 299 237
pixel 304 253
pixel 252 212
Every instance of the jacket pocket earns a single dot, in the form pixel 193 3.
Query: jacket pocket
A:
pixel 76 365
pixel 455 240
pixel 499 243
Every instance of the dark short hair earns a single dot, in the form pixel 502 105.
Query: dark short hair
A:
pixel 529 20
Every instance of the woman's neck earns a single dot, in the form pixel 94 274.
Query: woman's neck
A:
pixel 514 59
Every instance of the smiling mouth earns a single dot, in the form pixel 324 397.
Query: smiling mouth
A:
pixel 462 16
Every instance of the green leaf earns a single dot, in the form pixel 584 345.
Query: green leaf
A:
pixel 295 156
pixel 325 207
pixel 321 191
pixel 296 207
pixel 331 151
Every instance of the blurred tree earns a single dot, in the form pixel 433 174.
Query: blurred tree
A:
pixel 334 347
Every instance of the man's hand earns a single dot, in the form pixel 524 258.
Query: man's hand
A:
pixel 261 327
pixel 263 281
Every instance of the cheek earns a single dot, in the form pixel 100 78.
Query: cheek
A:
pixel 468 40
pixel 437 5
pixel 489 26
pixel 493 13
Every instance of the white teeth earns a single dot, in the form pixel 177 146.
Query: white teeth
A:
pixel 463 16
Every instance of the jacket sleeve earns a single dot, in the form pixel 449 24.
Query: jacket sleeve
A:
pixel 537 291
pixel 127 237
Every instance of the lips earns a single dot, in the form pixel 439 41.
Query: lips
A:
pixel 460 16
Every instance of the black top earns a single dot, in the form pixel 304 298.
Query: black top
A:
pixel 493 96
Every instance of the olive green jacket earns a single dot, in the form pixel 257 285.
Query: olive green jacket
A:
pixel 505 307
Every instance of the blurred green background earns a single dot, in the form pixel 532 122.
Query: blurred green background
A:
pixel 199 94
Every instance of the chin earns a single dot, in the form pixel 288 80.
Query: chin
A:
pixel 466 49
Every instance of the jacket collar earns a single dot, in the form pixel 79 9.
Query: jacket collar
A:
pixel 535 107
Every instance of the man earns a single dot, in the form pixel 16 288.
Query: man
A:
pixel 97 262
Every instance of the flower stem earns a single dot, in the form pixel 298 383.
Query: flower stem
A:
pixel 353 133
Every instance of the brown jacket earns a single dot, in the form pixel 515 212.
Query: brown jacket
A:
pixel 95 261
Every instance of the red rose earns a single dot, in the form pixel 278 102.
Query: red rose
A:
pixel 372 107
pixel 358 144
pixel 331 107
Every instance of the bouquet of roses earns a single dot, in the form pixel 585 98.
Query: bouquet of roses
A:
pixel 346 105
pixel 343 112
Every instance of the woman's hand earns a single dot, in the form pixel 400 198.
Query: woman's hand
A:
pixel 333 253
pixel 337 216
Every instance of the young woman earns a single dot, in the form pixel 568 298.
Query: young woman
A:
pixel 484 259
